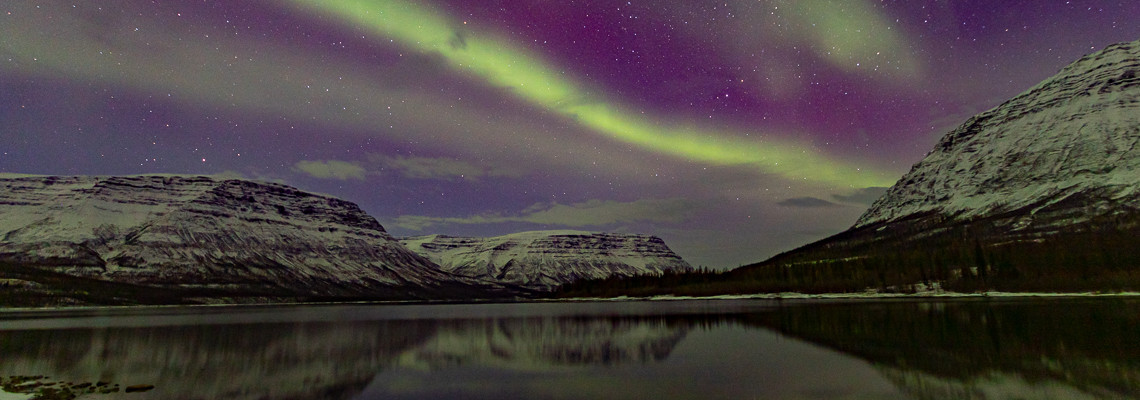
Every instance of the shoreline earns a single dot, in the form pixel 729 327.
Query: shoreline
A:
pixel 870 296
pixel 861 296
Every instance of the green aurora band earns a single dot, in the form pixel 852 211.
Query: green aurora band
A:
pixel 505 65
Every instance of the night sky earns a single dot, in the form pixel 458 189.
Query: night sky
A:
pixel 734 130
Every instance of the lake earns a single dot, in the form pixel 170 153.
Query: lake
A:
pixel 975 348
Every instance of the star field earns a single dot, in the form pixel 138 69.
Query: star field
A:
pixel 734 130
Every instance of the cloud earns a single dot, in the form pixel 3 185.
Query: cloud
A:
pixel 807 202
pixel 853 35
pixel 439 168
pixel 589 213
pixel 447 169
pixel 230 174
pixel 332 169
pixel 861 196
pixel 598 212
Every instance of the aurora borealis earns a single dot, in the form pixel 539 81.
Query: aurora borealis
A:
pixel 734 130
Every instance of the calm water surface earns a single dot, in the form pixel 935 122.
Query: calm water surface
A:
pixel 732 349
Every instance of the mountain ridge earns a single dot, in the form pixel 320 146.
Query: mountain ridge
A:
pixel 1041 193
pixel 1085 122
pixel 200 232
pixel 160 239
pixel 543 260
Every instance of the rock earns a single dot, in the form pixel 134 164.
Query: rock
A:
pixel 138 388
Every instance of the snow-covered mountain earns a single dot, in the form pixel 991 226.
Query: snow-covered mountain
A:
pixel 1041 193
pixel 205 233
pixel 545 259
pixel 1059 154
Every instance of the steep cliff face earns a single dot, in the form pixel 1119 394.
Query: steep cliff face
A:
pixel 201 232
pixel 545 259
pixel 1058 154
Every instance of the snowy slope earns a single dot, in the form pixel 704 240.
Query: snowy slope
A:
pixel 209 233
pixel 1039 194
pixel 545 259
pixel 1073 138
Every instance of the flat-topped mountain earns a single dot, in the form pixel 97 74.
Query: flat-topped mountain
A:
pixel 220 235
pixel 545 259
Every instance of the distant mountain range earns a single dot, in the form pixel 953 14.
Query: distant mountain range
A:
pixel 544 260
pixel 175 239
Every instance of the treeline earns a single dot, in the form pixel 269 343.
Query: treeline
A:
pixel 1077 261
pixel 962 259
pixel 701 282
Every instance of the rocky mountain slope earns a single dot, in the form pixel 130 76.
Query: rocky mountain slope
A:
pixel 1071 138
pixel 1039 193
pixel 543 260
pixel 216 235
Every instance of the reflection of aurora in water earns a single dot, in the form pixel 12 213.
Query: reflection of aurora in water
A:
pixel 959 349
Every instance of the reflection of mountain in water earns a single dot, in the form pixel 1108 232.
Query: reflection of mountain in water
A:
pixel 983 349
pixel 321 359
pixel 545 343
pixel 997 385
pixel 961 349
pixel 277 361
